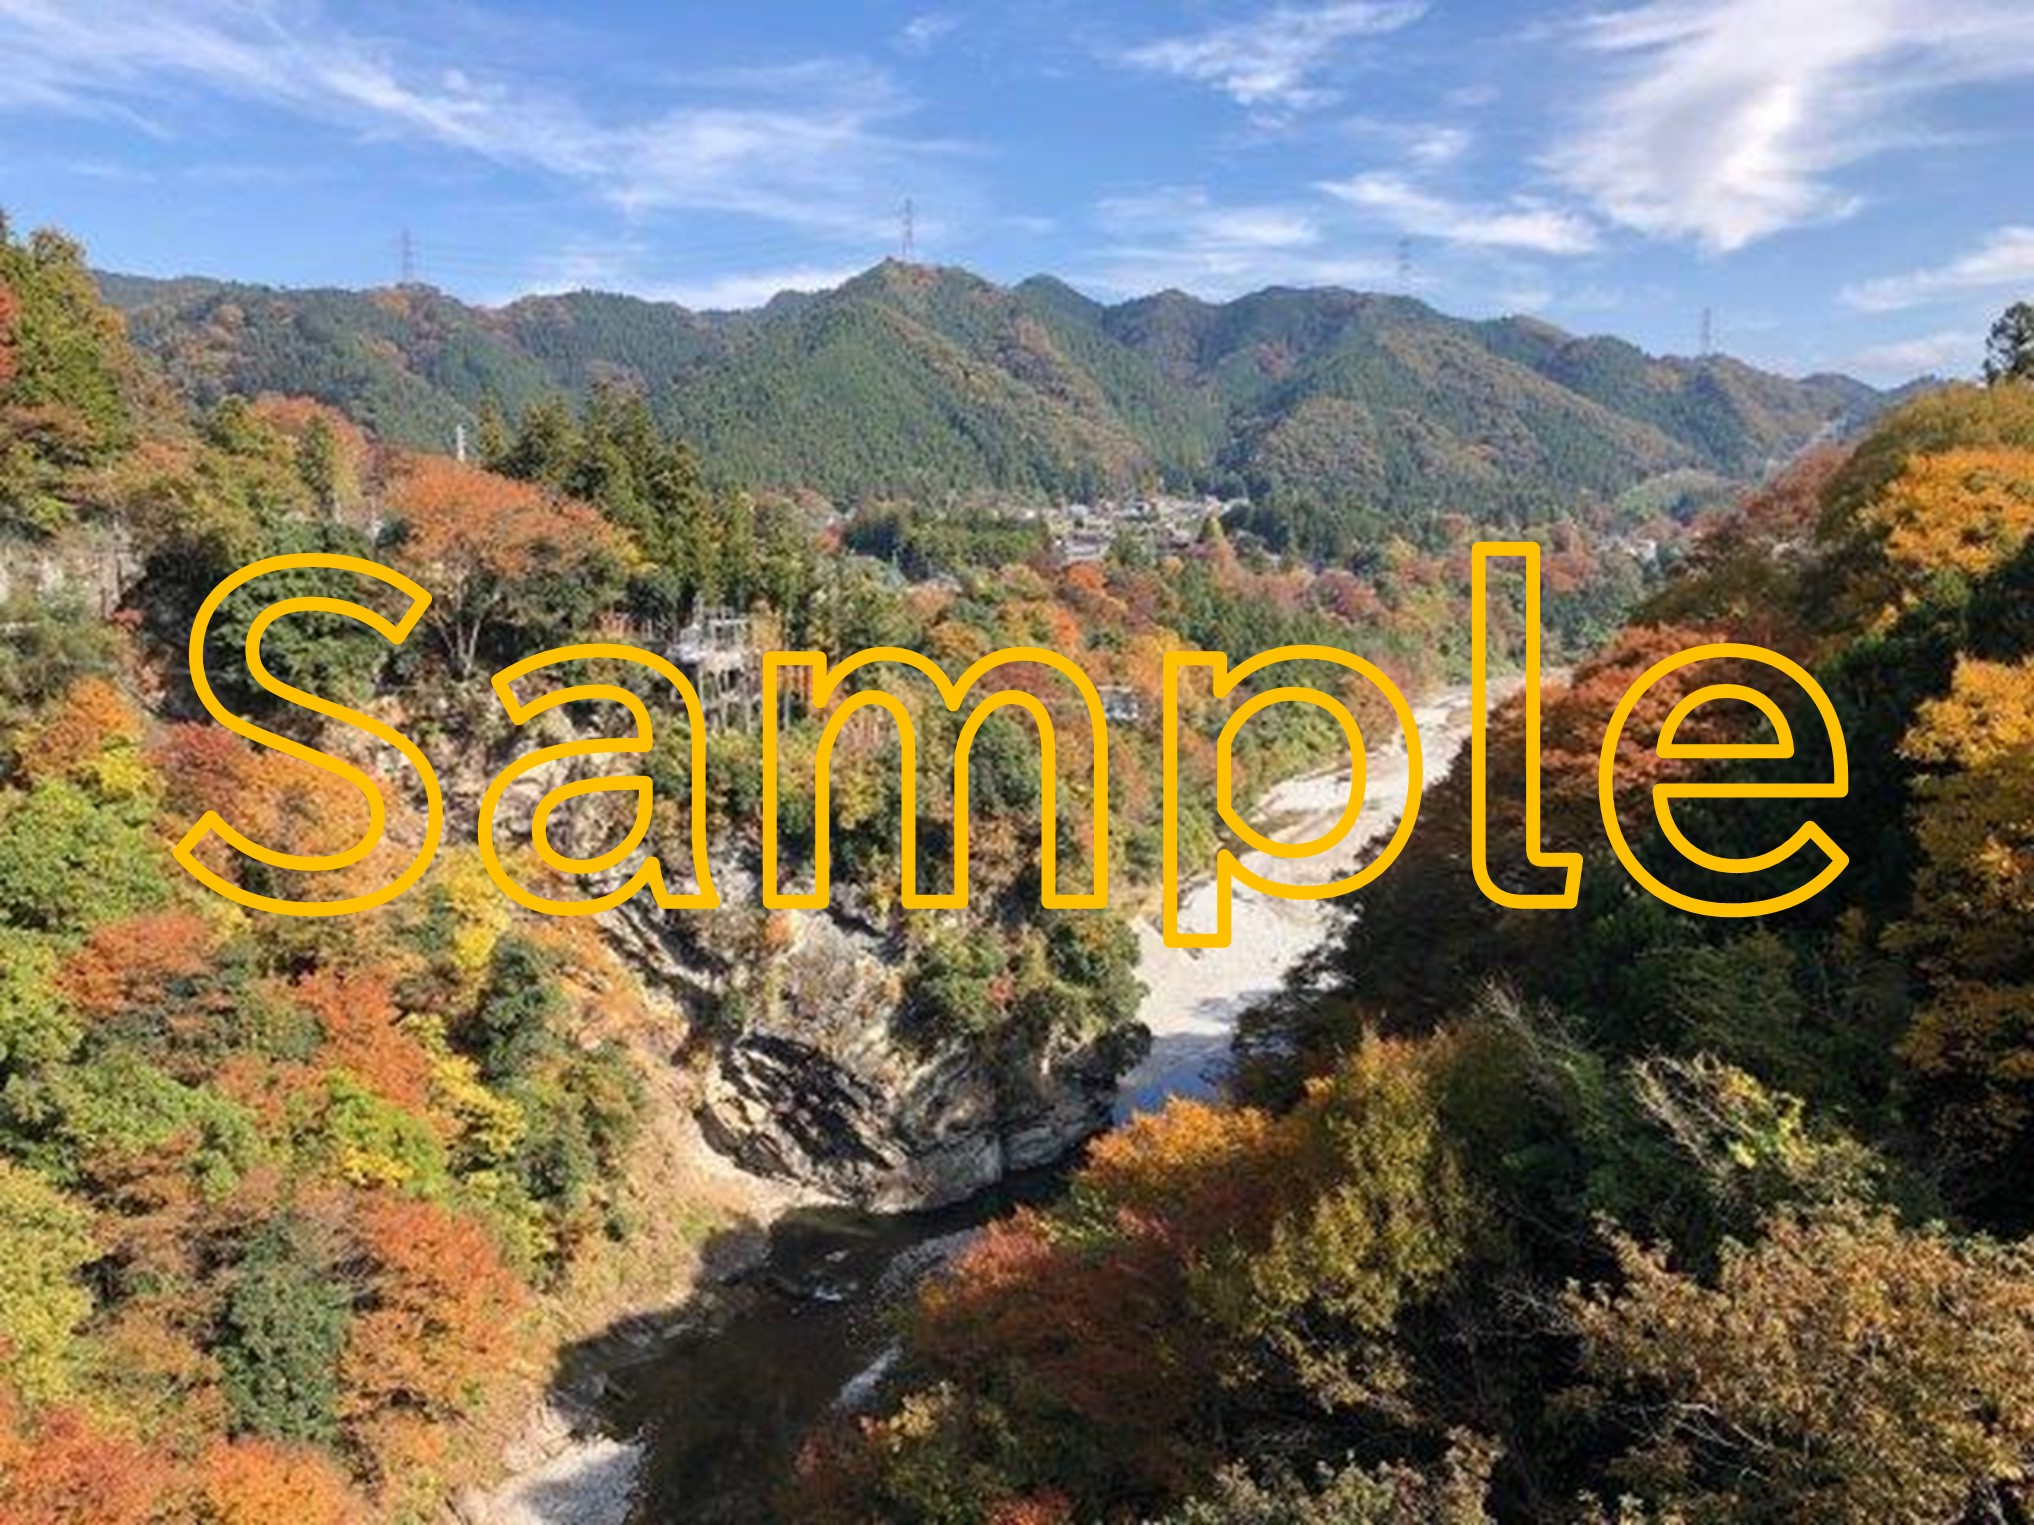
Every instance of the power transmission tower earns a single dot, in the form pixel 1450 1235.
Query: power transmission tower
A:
pixel 1405 267
pixel 406 248
pixel 1708 332
pixel 909 244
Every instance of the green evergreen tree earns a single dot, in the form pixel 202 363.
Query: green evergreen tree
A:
pixel 517 1021
pixel 284 1327
pixel 491 435
pixel 318 463
pixel 2009 351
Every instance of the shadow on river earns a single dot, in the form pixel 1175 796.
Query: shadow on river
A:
pixel 720 1409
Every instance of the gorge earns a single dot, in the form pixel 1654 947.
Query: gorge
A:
pixel 700 1419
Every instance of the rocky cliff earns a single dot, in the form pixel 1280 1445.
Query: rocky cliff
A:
pixel 811 1070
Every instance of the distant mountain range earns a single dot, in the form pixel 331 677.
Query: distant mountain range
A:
pixel 924 381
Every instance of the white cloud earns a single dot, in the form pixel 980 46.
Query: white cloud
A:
pixel 643 266
pixel 1182 238
pixel 1521 224
pixel 1192 213
pixel 809 144
pixel 1726 121
pixel 1952 353
pixel 1273 63
pixel 1428 145
pixel 750 288
pixel 2003 262
pixel 1435 145
pixel 922 33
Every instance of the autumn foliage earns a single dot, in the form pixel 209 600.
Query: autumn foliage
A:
pixel 63 1468
pixel 254 1482
pixel 494 550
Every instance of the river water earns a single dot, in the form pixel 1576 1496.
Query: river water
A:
pixel 714 1419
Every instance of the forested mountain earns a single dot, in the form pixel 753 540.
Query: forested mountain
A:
pixel 921 381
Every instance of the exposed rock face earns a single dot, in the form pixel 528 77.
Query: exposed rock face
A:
pixel 828 1088
pixel 911 1137
pixel 812 1074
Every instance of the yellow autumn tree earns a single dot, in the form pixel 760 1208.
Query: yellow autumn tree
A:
pixel 1973 918
pixel 1841 1369
pixel 1965 511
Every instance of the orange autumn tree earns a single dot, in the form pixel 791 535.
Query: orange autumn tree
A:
pixel 273 797
pixel 64 1467
pixel 437 1316
pixel 498 554
pixel 90 737
pixel 157 962
pixel 358 1015
pixel 258 1482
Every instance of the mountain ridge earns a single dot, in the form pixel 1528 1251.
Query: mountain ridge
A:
pixel 932 382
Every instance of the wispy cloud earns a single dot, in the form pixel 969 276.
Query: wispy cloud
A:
pixel 922 33
pixel 2003 262
pixel 1725 121
pixel 1951 353
pixel 814 144
pixel 1434 144
pixel 1520 224
pixel 644 267
pixel 752 288
pixel 1181 237
pixel 1426 144
pixel 1275 63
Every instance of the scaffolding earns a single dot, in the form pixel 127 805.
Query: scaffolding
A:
pixel 717 651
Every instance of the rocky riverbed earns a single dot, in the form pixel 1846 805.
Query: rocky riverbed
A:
pixel 1194 995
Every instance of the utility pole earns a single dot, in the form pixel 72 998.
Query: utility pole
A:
pixel 910 230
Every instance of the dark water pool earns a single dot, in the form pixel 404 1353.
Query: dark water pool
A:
pixel 721 1414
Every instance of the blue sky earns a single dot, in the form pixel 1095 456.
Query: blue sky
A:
pixel 1840 180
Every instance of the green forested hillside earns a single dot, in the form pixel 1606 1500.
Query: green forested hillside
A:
pixel 921 381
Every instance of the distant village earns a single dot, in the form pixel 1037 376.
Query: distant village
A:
pixel 1089 531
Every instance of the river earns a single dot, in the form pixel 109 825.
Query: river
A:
pixel 711 1420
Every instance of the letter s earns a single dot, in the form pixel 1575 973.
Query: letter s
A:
pixel 212 824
